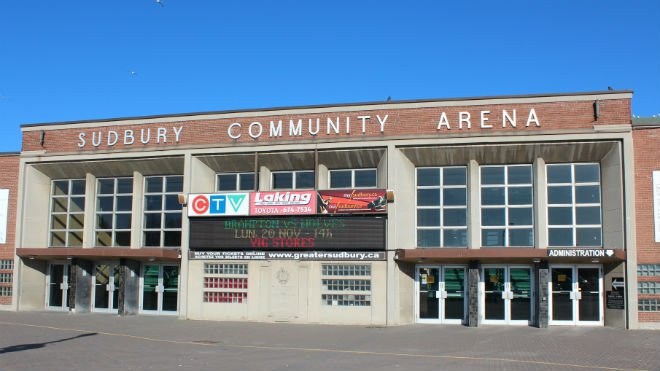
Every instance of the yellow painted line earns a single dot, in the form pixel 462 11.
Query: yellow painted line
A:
pixel 319 350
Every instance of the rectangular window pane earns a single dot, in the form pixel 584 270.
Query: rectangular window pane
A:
pixel 520 196
pixel 77 204
pixel 455 197
pixel 492 175
pixel 428 197
pixel 587 173
pixel 304 179
pixel 428 217
pixel 587 215
pixel 559 174
pixel 455 237
pixel 587 194
pixel 519 174
pixel 365 178
pixel 172 220
pixel 153 202
pixel 282 180
pixel 60 187
pixel 520 216
pixel 428 237
pixel 104 204
pixel 152 220
pixel 560 194
pixel 588 237
pixel 227 182
pixel 247 182
pixel 172 202
pixel 124 203
pixel 174 184
pixel 123 221
pixel 125 185
pixel 454 176
pixel 340 179
pixel 154 184
pixel 455 217
pixel 560 236
pixel 492 237
pixel 560 215
pixel 106 186
pixel 521 237
pixel 122 238
pixel 428 177
pixel 492 217
pixel 492 196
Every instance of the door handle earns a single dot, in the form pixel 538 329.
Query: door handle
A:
pixel 443 294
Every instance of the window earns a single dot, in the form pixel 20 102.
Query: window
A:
pixel 346 285
pixel 5 290
pixel 162 211
pixel 6 278
pixel 506 205
pixel 648 270
pixel 235 182
pixel 114 202
pixel 574 209
pixel 353 178
pixel 648 305
pixel 293 179
pixel 648 288
pixel 225 283
pixel 442 206
pixel 67 213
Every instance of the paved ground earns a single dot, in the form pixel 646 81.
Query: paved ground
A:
pixel 63 341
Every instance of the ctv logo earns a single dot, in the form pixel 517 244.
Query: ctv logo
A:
pixel 219 204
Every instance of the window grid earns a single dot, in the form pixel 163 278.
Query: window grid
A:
pixel 6 264
pixel 456 231
pixel 648 270
pixel 574 226
pixel 648 288
pixel 648 305
pixel 295 176
pixel 67 213
pixel 114 199
pixel 162 212
pixel 5 277
pixel 241 182
pixel 508 207
pixel 353 289
pixel 225 283
pixel 359 178
pixel 5 290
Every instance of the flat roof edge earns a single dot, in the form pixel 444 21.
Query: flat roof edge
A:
pixel 147 117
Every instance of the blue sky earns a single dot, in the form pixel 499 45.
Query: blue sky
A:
pixel 78 60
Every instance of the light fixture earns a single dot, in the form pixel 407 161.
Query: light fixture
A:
pixel 595 261
pixel 42 137
pixel 537 260
pixel 151 258
pixel 182 199
pixel 596 110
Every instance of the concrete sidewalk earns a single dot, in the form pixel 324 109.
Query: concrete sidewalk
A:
pixel 64 341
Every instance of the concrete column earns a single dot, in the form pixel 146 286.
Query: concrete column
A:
pixel 474 209
pixel 89 239
pixel 542 311
pixel 540 205
pixel 136 218
pixel 83 276
pixel 129 287
pixel 473 294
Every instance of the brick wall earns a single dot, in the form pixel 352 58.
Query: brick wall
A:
pixel 403 122
pixel 647 160
pixel 9 180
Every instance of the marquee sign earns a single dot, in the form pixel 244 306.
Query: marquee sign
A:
pixel 334 233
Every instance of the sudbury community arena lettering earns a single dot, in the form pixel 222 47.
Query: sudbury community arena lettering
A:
pixel 128 137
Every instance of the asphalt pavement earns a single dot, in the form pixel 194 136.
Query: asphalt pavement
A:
pixel 92 341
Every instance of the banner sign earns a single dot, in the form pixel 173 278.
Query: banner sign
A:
pixel 335 233
pixel 342 201
pixel 219 204
pixel 581 253
pixel 283 203
pixel 287 255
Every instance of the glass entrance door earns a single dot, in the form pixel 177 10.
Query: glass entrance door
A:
pixel 106 280
pixel 507 294
pixel 58 286
pixel 441 294
pixel 160 289
pixel 576 295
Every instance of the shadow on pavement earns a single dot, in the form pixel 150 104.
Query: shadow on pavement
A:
pixel 22 347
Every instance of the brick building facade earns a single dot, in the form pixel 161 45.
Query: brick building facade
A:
pixel 514 210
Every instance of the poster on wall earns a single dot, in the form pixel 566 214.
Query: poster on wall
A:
pixel 351 201
pixel 656 204
pixel 4 209
pixel 219 204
